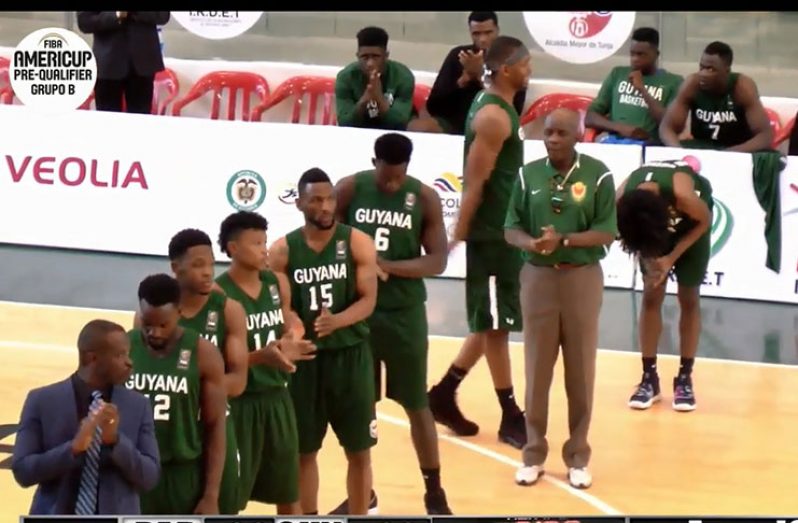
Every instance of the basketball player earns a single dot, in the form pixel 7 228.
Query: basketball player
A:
pixel 402 215
pixel 333 273
pixel 664 215
pixel 724 107
pixel 183 375
pixel 264 414
pixel 494 152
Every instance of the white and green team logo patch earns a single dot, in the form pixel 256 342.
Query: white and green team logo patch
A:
pixel 246 190
pixel 722 226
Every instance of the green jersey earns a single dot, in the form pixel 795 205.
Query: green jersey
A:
pixel 662 174
pixel 325 279
pixel 265 323
pixel 718 118
pixel 172 384
pixel 209 321
pixel 394 221
pixel 488 222
pixel 619 101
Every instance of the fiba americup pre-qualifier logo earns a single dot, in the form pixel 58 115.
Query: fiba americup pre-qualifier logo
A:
pixel 53 69
pixel 580 37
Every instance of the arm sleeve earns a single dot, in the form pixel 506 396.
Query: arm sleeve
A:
pixel 445 85
pixel 345 102
pixel 603 101
pixel 97 21
pixel 402 108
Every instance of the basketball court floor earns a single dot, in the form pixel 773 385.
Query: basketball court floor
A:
pixel 735 455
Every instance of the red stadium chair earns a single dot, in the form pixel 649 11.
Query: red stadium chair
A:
pixel 166 81
pixel 784 133
pixel 548 103
pixel 775 124
pixel 6 96
pixel 420 95
pixel 5 64
pixel 298 87
pixel 217 82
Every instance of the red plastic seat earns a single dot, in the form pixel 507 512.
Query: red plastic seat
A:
pixel 233 81
pixel 298 87
pixel 166 81
pixel 784 133
pixel 550 102
pixel 420 95
pixel 5 64
pixel 6 96
pixel 775 124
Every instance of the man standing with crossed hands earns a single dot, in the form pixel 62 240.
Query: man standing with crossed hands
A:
pixel 562 216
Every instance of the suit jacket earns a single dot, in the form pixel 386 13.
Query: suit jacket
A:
pixel 43 452
pixel 118 45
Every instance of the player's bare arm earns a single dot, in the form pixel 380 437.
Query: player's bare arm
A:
pixel 344 192
pixel 433 239
pixel 688 202
pixel 236 357
pixel 491 127
pixel 747 95
pixel 213 405
pixel 364 254
pixel 676 114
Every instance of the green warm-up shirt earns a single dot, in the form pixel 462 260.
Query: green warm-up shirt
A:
pixel 619 101
pixel 398 84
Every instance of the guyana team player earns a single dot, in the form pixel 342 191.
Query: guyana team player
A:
pixel 221 321
pixel 402 215
pixel 183 376
pixel 263 415
pixel 724 108
pixel 333 273
pixel 494 153
pixel 664 214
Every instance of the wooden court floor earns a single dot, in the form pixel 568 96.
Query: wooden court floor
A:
pixel 735 455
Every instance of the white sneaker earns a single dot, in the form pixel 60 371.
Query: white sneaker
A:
pixel 528 476
pixel 579 478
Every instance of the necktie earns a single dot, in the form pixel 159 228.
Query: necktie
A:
pixel 87 492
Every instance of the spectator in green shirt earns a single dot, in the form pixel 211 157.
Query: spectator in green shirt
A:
pixel 562 216
pixel 632 99
pixel 374 92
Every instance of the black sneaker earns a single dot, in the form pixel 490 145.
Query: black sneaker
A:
pixel 343 508
pixel 647 392
pixel 512 430
pixel 446 412
pixel 436 504
pixel 683 396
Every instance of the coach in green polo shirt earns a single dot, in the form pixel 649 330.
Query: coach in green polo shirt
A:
pixel 562 216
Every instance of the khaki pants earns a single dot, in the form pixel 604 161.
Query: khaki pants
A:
pixel 560 308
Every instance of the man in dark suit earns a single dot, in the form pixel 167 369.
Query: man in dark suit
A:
pixel 128 55
pixel 87 441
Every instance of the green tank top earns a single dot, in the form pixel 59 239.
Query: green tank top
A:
pixel 488 222
pixel 172 384
pixel 265 323
pixel 324 279
pixel 209 321
pixel 662 174
pixel 394 221
pixel 717 118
